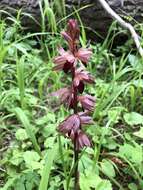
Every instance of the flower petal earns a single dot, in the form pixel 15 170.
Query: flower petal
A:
pixel 82 140
pixel 85 118
pixel 84 55
pixel 87 102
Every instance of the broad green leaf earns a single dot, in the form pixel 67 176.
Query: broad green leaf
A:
pixel 114 114
pixel 49 142
pixel 21 134
pixel 31 159
pixel 133 186
pixel 9 183
pixel 132 153
pixel 107 168
pixel 91 180
pixel 133 118
pixel 50 117
pixel 17 157
pixel 139 133
pixel 49 130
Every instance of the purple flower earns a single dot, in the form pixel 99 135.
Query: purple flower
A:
pixel 70 125
pixel 81 77
pixel 66 96
pixel 87 102
pixel 84 55
pixel 82 140
pixel 64 61
pixel 72 35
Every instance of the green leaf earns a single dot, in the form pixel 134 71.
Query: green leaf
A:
pixel 114 114
pixel 136 63
pixel 9 183
pixel 23 118
pixel 21 134
pixel 31 159
pixel 49 159
pixel 133 186
pixel 107 168
pixel 49 142
pixel 133 118
pixel 139 133
pixel 49 130
pixel 17 157
pixel 91 180
pixel 50 117
pixel 132 153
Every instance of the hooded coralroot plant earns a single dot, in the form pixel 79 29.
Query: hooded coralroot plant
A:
pixel 74 62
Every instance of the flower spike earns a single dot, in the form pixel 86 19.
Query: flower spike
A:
pixel 74 62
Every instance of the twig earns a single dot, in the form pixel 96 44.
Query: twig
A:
pixel 124 24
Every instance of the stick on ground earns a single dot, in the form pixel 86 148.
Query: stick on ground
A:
pixel 124 24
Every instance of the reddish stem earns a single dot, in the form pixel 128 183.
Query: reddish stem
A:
pixel 76 152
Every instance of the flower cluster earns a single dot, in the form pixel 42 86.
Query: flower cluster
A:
pixel 74 61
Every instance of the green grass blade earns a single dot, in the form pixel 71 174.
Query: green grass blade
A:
pixel 24 120
pixel 47 169
pixel 20 79
pixel 83 33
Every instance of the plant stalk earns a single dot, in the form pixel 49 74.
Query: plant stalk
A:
pixel 76 173
pixel 76 152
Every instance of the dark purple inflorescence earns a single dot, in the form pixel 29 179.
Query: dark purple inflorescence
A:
pixel 74 62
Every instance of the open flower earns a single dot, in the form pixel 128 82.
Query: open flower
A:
pixel 87 102
pixel 81 77
pixel 66 96
pixel 64 61
pixel 82 140
pixel 84 55
pixel 70 125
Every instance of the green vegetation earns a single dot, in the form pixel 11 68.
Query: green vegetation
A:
pixel 32 153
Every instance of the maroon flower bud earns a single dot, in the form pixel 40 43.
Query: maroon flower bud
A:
pixel 87 102
pixel 70 125
pixel 67 37
pixel 72 35
pixel 82 140
pixel 73 29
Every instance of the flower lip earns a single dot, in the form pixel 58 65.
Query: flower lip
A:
pixel 82 140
